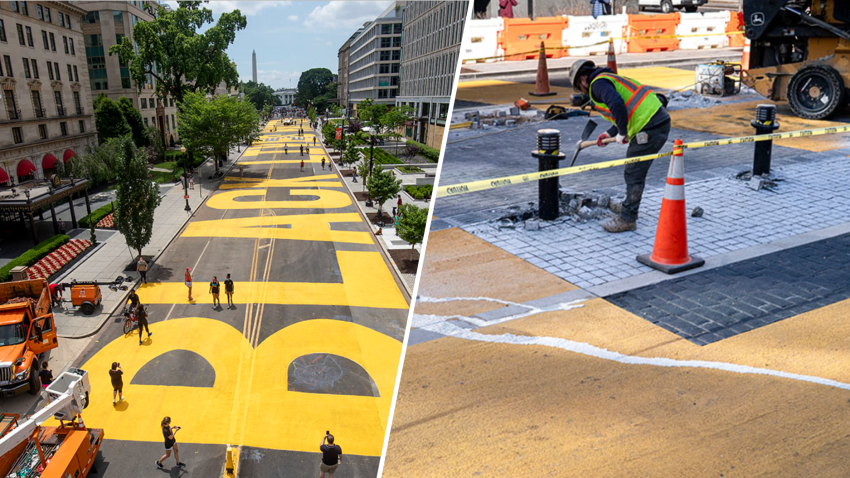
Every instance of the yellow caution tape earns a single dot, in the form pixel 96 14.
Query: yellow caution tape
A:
pixel 486 184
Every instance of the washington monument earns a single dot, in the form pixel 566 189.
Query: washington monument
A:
pixel 254 64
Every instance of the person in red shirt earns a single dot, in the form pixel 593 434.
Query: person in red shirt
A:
pixel 55 294
pixel 189 281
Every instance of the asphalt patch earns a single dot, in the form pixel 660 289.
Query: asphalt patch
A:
pixel 182 368
pixel 720 303
pixel 262 463
pixel 330 374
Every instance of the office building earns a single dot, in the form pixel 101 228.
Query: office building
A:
pixel 47 113
pixel 375 58
pixel 429 55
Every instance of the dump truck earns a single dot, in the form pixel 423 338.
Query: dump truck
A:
pixel 799 52
pixel 29 449
pixel 27 330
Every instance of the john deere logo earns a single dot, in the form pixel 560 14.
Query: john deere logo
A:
pixel 757 19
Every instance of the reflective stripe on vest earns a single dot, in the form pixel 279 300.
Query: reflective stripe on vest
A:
pixel 641 103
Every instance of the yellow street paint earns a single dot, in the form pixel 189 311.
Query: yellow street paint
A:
pixel 661 76
pixel 481 83
pixel 325 181
pixel 366 282
pixel 276 417
pixel 327 199
pixel 303 227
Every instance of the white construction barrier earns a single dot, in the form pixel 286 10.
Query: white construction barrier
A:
pixel 713 25
pixel 481 39
pixel 588 36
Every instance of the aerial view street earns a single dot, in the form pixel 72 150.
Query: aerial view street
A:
pixel 561 331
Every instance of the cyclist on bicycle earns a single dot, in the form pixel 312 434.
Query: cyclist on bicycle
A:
pixel 142 318
pixel 134 300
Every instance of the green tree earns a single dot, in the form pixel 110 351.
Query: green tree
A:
pixel 312 84
pixel 211 126
pixel 336 110
pixel 311 113
pixel 371 112
pixel 156 145
pixel 363 171
pixel 180 53
pixel 134 120
pixel 411 224
pixel 394 119
pixel 382 186
pixel 98 163
pixel 259 94
pixel 136 196
pixel 350 156
pixel 109 119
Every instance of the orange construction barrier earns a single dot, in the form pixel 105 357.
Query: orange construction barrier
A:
pixel 670 254
pixel 736 24
pixel 644 30
pixel 521 37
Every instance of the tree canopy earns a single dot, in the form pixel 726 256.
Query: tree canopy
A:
pixel 136 195
pixel 134 120
pixel 411 224
pixel 259 94
pixel 109 119
pixel 174 51
pixel 382 186
pixel 316 88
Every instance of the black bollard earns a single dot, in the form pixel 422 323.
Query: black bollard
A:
pixel 765 123
pixel 548 154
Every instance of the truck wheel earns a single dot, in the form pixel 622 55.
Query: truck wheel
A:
pixel 87 308
pixel 35 383
pixel 815 92
pixel 666 6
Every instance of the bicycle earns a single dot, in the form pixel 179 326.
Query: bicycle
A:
pixel 130 319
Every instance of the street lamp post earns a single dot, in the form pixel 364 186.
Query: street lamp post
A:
pixel 185 180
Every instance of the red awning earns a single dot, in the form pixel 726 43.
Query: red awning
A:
pixel 25 168
pixel 48 161
pixel 3 176
pixel 68 155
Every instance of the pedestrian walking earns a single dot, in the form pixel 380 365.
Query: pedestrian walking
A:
pixel 395 224
pixel 323 162
pixel 314 141
pixel 214 288
pixel 331 456
pixel 600 7
pixel 191 181
pixel 188 278
pixel 170 443
pixel 394 210
pixel 61 226
pixel 228 290
pixel 302 149
pixel 399 202
pixel 302 165
pixel 45 375
pixel 116 376
pixel 506 8
pixel 307 150
pixel 142 269
pixel 285 150
pixel 639 119
pixel 142 319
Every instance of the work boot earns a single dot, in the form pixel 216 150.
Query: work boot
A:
pixel 616 207
pixel 618 224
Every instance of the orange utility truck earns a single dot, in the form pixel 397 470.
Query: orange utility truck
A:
pixel 26 331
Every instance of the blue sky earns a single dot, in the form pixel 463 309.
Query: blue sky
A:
pixel 291 36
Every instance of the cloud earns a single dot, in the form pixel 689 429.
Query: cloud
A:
pixel 292 18
pixel 350 15
pixel 247 8
pixel 277 79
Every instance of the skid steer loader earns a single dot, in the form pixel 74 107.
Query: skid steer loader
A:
pixel 800 52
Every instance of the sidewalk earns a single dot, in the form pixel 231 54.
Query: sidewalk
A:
pixel 112 256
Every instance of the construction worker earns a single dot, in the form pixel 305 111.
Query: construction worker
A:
pixel 639 119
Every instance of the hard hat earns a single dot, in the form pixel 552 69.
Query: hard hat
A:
pixel 577 68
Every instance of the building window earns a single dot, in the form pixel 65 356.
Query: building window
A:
pixel 386 42
pixel 42 131
pixel 65 42
pixel 146 121
pixel 172 102
pixel 60 105
pixel 44 39
pixel 15 7
pixel 50 71
pixel 153 118
pixel 77 105
pixel 396 42
pixel 76 76
pixel 21 34
pixel 82 126
pixel 56 69
pixel 62 19
pixel 396 55
pixel 47 15
pixel 29 37
pixel 25 9
pixel 39 12
pixel 144 103
pixel 70 73
pixel 397 28
pixel 36 104
pixel 2 30
pixel 11 105
pixel 117 16
pixel 18 135
pixel 63 127
pixel 92 17
pixel 27 73
pixel 8 61
pixel 172 121
pixel 71 41
pixel 52 42
pixel 34 68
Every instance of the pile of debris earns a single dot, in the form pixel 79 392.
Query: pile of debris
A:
pixel 576 206
pixel 18 300
pixel 690 99
pixel 767 181
pixel 507 117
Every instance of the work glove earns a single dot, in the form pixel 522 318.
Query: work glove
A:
pixel 600 138
pixel 622 139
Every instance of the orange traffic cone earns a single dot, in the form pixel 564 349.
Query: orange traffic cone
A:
pixel 745 57
pixel 542 84
pixel 670 254
pixel 612 58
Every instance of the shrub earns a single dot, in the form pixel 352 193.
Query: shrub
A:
pixel 410 169
pixel 420 192
pixel 383 157
pixel 427 152
pixel 33 255
pixel 95 217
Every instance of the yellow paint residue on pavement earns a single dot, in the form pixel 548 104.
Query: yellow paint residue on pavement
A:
pixel 366 282
pixel 661 77
pixel 481 84
pixel 302 227
pixel 276 418
pixel 325 198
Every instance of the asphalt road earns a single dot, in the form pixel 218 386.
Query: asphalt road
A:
pixel 312 343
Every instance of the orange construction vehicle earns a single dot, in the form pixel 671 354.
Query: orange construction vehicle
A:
pixel 30 450
pixel 26 331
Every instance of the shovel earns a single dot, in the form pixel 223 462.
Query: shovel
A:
pixel 584 143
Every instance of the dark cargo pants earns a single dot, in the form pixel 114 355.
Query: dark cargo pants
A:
pixel 635 173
